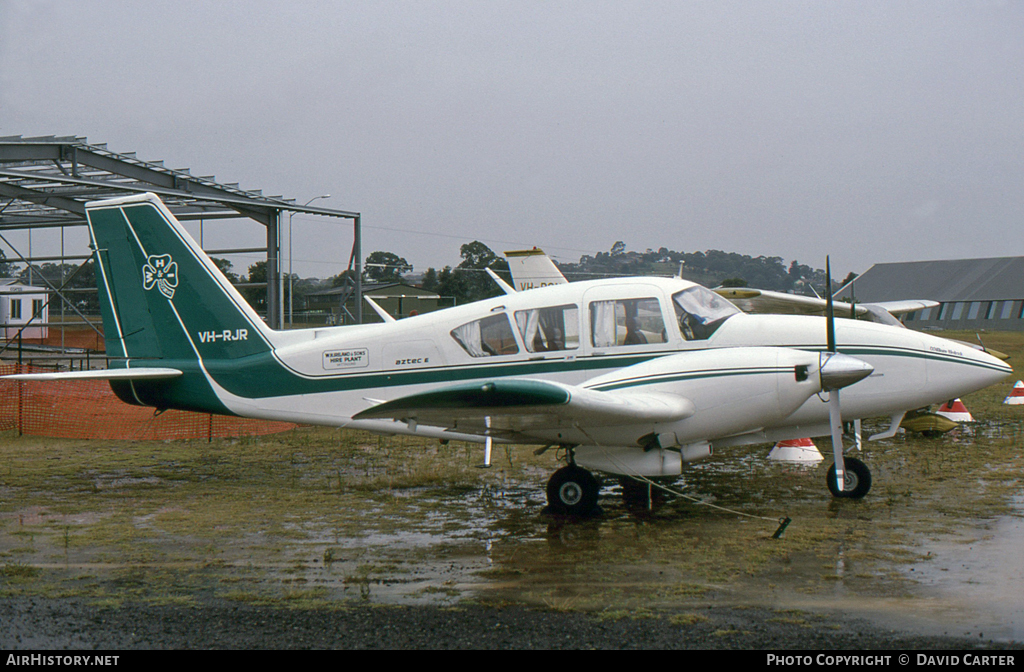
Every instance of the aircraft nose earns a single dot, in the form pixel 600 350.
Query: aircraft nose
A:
pixel 838 370
pixel 992 369
pixel 956 368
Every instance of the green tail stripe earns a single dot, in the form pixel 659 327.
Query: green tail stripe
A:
pixel 163 300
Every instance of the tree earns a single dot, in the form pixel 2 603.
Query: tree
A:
pixel 474 283
pixel 257 296
pixel 476 255
pixel 78 281
pixel 430 280
pixel 7 269
pixel 225 267
pixel 469 280
pixel 385 267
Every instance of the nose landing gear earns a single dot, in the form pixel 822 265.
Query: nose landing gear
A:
pixel 856 479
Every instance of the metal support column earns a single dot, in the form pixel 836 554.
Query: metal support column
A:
pixel 274 304
pixel 357 249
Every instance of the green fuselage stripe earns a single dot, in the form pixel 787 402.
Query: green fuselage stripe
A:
pixel 263 376
pixel 691 375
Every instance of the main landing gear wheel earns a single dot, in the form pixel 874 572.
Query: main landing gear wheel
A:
pixel 572 491
pixel 856 479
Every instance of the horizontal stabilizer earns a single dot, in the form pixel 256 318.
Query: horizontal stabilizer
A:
pixel 152 373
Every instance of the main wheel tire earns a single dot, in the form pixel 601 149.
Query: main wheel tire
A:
pixel 573 491
pixel 856 479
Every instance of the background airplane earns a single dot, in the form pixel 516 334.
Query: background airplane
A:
pixel 631 377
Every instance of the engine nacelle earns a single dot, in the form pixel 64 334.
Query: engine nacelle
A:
pixel 733 390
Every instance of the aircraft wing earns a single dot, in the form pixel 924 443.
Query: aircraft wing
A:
pixel 764 301
pixel 517 406
pixel 751 300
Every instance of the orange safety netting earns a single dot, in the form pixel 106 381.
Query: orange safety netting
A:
pixel 88 409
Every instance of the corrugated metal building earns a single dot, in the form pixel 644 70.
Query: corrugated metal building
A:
pixel 973 293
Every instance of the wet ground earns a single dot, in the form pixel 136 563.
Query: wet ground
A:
pixel 316 521
pixel 974 581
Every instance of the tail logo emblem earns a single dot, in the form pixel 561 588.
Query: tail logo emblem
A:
pixel 162 271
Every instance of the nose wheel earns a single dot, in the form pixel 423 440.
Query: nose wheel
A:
pixel 856 481
pixel 572 491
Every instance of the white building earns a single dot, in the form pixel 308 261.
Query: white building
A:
pixel 18 303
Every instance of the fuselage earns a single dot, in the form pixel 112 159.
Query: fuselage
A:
pixel 634 375
pixel 573 333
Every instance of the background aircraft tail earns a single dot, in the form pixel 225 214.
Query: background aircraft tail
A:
pixel 532 268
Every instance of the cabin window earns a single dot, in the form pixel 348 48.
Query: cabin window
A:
pixel 15 309
pixel 701 312
pixel 492 336
pixel 626 322
pixel 549 329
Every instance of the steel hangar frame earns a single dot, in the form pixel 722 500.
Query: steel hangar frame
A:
pixel 46 181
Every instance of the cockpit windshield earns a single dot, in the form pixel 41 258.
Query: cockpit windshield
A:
pixel 700 312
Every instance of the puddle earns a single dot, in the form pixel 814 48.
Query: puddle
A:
pixel 975 582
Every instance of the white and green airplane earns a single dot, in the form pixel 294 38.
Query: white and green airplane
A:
pixel 632 377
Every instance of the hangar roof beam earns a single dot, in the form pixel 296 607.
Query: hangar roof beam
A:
pixel 48 180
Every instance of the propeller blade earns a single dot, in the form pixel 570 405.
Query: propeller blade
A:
pixel 840 374
pixel 830 316
pixel 835 421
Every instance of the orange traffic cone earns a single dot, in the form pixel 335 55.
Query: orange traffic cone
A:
pixel 1016 394
pixel 955 411
pixel 795 450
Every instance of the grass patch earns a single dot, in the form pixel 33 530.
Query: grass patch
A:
pixel 15 572
pixel 688 618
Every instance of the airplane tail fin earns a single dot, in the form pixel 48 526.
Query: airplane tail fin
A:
pixel 161 296
pixel 532 268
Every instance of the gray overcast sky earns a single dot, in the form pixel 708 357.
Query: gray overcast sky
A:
pixel 873 131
